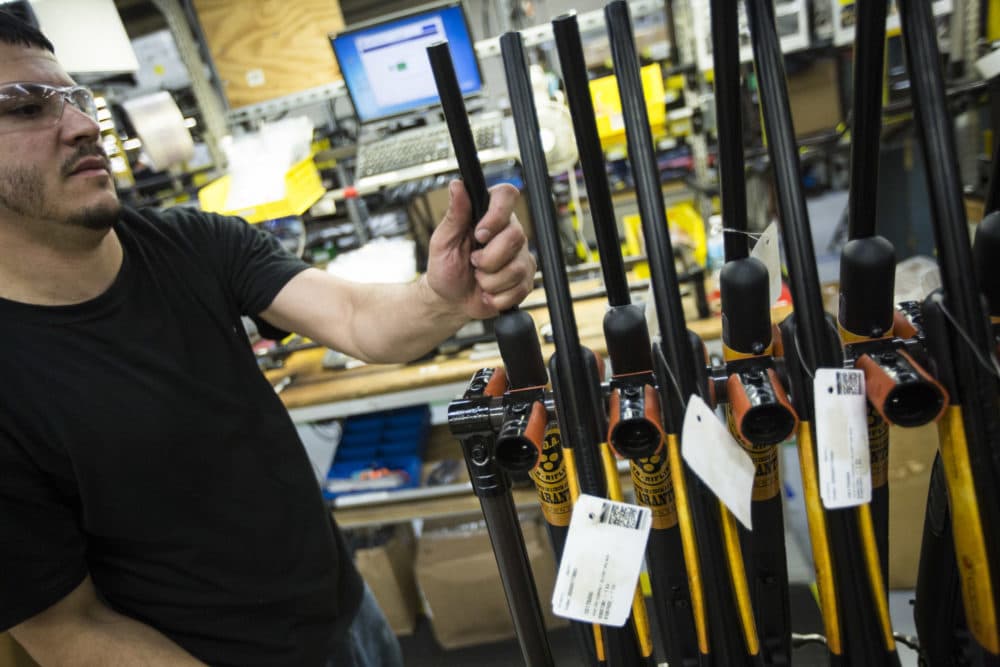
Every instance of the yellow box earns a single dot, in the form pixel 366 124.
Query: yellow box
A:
pixel 303 188
pixel 608 105
pixel 682 216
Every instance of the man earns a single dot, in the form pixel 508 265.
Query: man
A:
pixel 156 506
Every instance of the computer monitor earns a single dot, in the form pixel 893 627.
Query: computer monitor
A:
pixel 385 64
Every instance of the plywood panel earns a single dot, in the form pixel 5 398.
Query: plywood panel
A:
pixel 264 49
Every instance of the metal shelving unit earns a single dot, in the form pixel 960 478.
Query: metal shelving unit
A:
pixel 792 18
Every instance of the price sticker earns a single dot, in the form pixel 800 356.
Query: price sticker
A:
pixel 842 450
pixel 601 561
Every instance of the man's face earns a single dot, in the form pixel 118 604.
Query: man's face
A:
pixel 52 173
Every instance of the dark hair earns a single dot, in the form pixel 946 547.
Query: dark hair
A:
pixel 16 31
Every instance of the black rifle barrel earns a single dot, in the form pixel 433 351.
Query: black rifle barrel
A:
pixel 802 272
pixel 943 176
pixel 515 330
pixel 646 173
pixel 954 250
pixel 595 175
pixel 729 124
pixel 455 115
pixel 866 130
pixel 574 377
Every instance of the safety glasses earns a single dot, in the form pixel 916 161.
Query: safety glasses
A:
pixel 31 106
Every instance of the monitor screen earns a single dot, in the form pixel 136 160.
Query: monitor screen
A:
pixel 386 68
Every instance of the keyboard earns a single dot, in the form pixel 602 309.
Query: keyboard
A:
pixel 422 146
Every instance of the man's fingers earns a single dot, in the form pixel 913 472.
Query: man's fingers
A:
pixel 503 197
pixel 456 221
pixel 516 277
pixel 501 249
pixel 507 298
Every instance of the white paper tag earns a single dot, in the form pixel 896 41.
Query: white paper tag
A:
pixel 768 250
pixel 715 456
pixel 842 452
pixel 601 561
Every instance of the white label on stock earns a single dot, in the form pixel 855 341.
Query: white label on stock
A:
pixel 842 452
pixel 768 250
pixel 715 456
pixel 601 561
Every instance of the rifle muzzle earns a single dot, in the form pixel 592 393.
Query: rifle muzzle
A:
pixel 900 390
pixel 519 444
pixel 760 408
pixel 635 430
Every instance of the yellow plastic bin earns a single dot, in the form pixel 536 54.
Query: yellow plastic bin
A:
pixel 303 188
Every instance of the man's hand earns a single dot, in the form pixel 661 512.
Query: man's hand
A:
pixel 484 281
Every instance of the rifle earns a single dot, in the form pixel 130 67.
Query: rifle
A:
pixel 851 590
pixel 575 381
pixel 757 408
pixel 522 413
pixel 900 391
pixel 964 349
pixel 720 598
pixel 635 430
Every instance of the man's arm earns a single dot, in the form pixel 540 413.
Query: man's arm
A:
pixel 81 630
pixel 396 323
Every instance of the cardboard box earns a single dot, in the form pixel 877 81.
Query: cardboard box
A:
pixel 266 49
pixel 388 571
pixel 458 577
pixel 911 455
pixel 814 96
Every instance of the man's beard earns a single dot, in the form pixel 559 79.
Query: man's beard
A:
pixel 22 191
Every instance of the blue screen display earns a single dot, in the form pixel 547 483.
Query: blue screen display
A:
pixel 386 68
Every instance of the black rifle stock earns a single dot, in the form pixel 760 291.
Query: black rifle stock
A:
pixel 963 347
pixel 635 429
pixel 852 592
pixel 573 374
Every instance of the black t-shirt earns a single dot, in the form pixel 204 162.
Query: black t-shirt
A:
pixel 140 443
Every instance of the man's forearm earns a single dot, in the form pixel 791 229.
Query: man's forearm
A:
pixel 399 323
pixel 105 638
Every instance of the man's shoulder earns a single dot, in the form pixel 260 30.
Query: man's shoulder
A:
pixel 175 216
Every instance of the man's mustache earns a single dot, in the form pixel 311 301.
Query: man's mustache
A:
pixel 85 151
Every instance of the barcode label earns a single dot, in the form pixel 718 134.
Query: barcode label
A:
pixel 843 453
pixel 620 515
pixel 850 383
pixel 601 561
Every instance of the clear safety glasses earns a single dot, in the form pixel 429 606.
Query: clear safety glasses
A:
pixel 31 106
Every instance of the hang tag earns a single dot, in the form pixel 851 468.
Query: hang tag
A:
pixel 842 451
pixel 601 561
pixel 715 456
pixel 768 250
